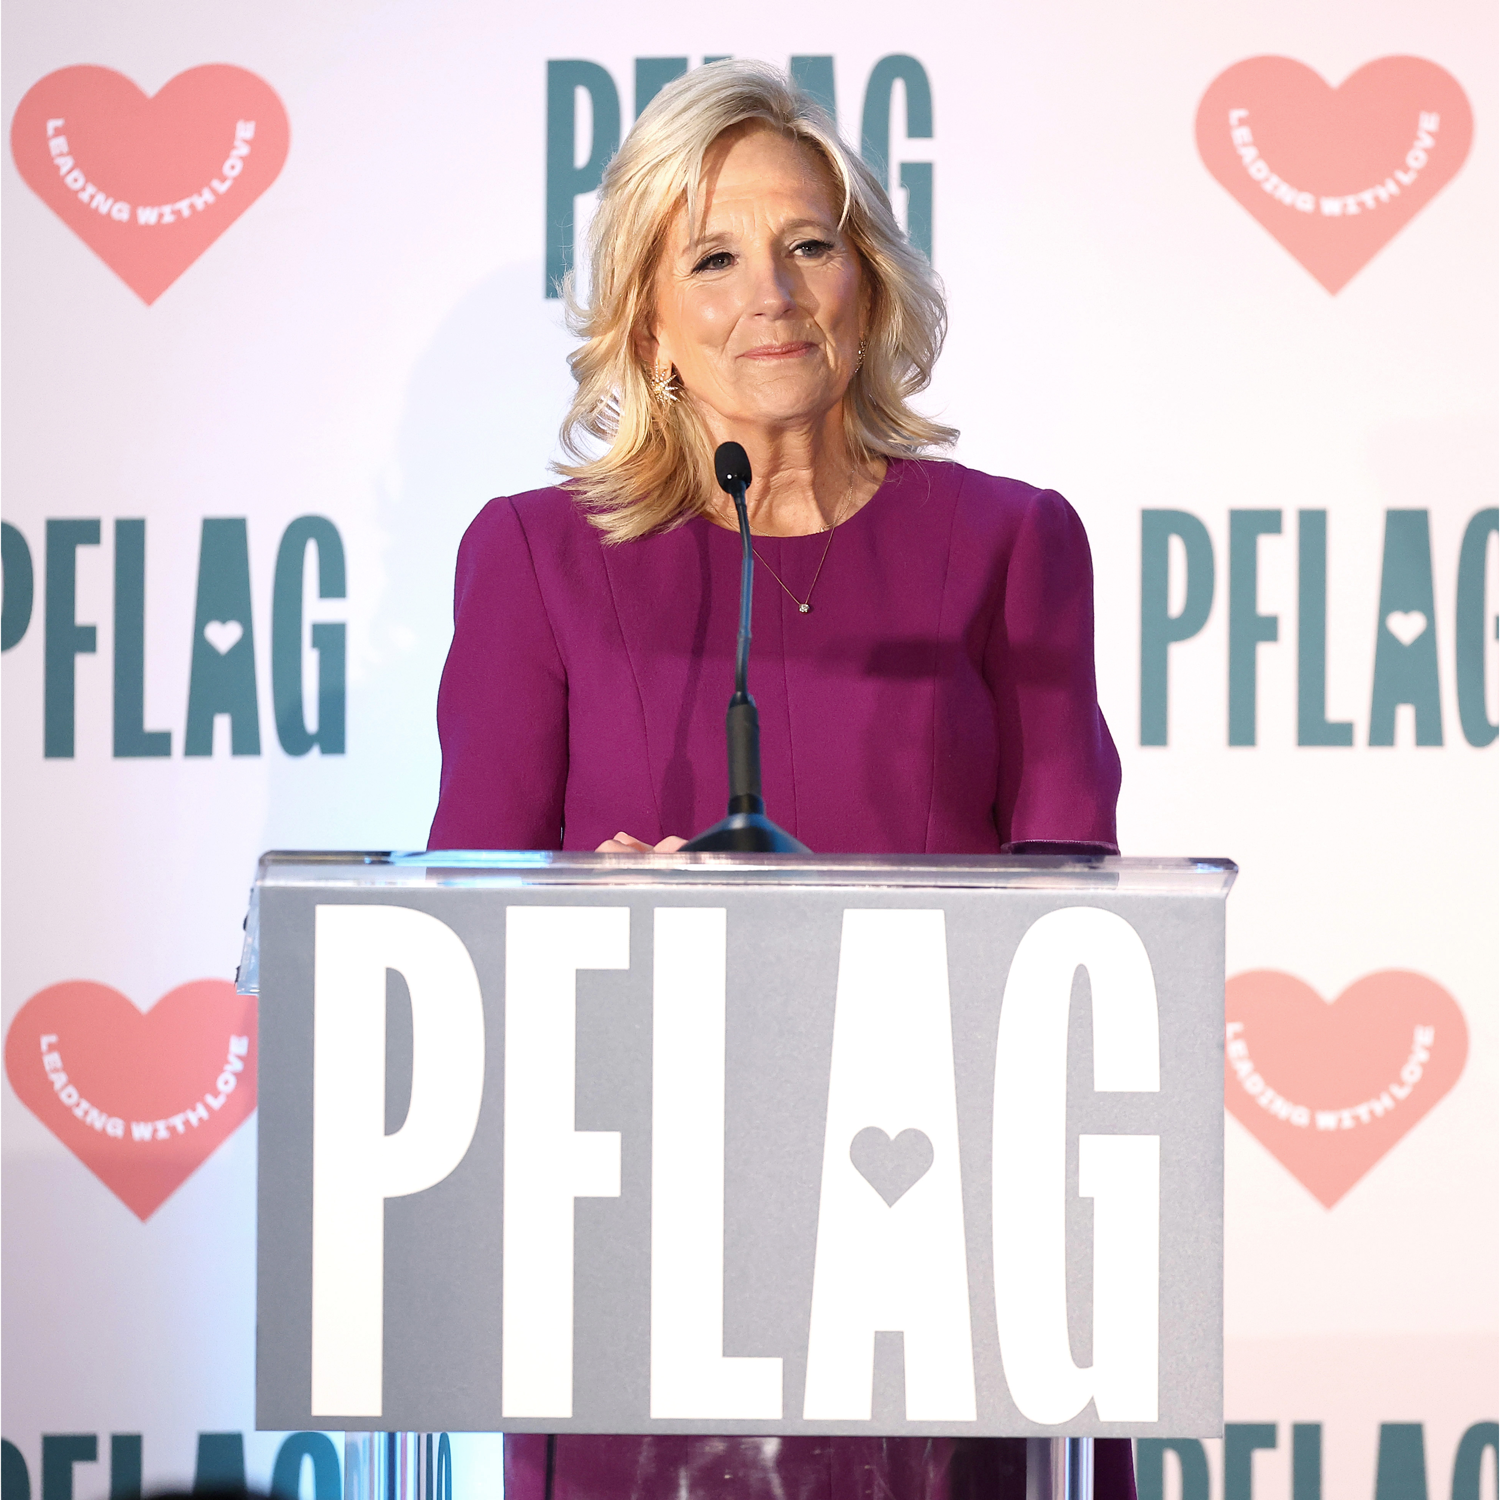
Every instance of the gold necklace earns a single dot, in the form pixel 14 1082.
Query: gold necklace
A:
pixel 804 606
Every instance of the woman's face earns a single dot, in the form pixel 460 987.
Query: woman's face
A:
pixel 761 312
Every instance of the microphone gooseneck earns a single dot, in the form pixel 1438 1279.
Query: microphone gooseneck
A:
pixel 732 469
pixel 746 828
pixel 742 723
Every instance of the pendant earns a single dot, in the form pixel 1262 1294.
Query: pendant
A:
pixel 804 609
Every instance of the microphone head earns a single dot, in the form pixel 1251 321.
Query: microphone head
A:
pixel 732 465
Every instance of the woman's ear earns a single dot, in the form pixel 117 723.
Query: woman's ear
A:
pixel 654 351
pixel 646 346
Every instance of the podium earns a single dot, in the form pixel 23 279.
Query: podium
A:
pixel 738 1144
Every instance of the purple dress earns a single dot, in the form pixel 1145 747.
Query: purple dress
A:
pixel 938 698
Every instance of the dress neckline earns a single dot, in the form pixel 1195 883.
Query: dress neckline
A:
pixel 892 465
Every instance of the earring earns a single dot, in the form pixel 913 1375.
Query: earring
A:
pixel 663 384
pixel 859 359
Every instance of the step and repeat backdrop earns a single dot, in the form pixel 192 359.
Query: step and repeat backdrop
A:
pixel 280 316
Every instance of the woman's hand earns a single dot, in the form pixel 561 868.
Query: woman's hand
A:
pixel 622 843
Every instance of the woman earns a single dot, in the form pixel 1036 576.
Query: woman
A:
pixel 923 633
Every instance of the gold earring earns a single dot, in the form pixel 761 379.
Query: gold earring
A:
pixel 859 359
pixel 663 384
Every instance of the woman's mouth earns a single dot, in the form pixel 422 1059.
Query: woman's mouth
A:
pixel 779 351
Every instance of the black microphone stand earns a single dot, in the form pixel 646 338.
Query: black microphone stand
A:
pixel 747 828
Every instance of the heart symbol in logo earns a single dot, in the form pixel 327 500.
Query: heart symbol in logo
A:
pixel 1334 173
pixel 891 1167
pixel 223 635
pixel 1406 624
pixel 149 183
pixel 141 1099
pixel 1329 1089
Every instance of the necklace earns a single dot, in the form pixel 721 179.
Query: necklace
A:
pixel 804 606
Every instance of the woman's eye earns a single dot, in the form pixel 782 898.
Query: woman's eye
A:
pixel 809 249
pixel 720 260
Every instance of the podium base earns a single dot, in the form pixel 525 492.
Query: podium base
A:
pixel 745 833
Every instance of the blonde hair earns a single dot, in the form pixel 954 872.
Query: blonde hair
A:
pixel 656 469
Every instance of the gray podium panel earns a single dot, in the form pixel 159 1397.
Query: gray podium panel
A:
pixel 723 1144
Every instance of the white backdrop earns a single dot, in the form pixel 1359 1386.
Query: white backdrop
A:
pixel 369 342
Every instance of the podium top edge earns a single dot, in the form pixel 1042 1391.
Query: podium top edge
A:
pixel 490 867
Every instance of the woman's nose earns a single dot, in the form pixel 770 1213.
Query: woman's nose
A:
pixel 773 292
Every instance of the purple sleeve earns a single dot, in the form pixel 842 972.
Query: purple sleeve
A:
pixel 503 702
pixel 1059 770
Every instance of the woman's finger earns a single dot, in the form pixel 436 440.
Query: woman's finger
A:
pixel 622 843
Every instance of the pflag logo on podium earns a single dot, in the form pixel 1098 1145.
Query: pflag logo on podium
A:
pixel 142 1099
pixel 149 182
pixel 640 1157
pixel 1334 172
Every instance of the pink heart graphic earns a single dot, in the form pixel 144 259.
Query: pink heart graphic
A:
pixel 1329 1089
pixel 149 184
pixel 1334 173
pixel 142 1100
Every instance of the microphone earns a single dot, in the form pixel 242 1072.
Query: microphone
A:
pixel 747 828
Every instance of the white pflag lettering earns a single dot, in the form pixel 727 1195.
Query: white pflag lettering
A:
pixel 547 1162
pixel 356 1165
pixel 1121 1173
pixel 890 1251
pixel 690 1374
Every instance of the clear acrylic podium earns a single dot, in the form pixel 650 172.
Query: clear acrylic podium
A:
pixel 741 1144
